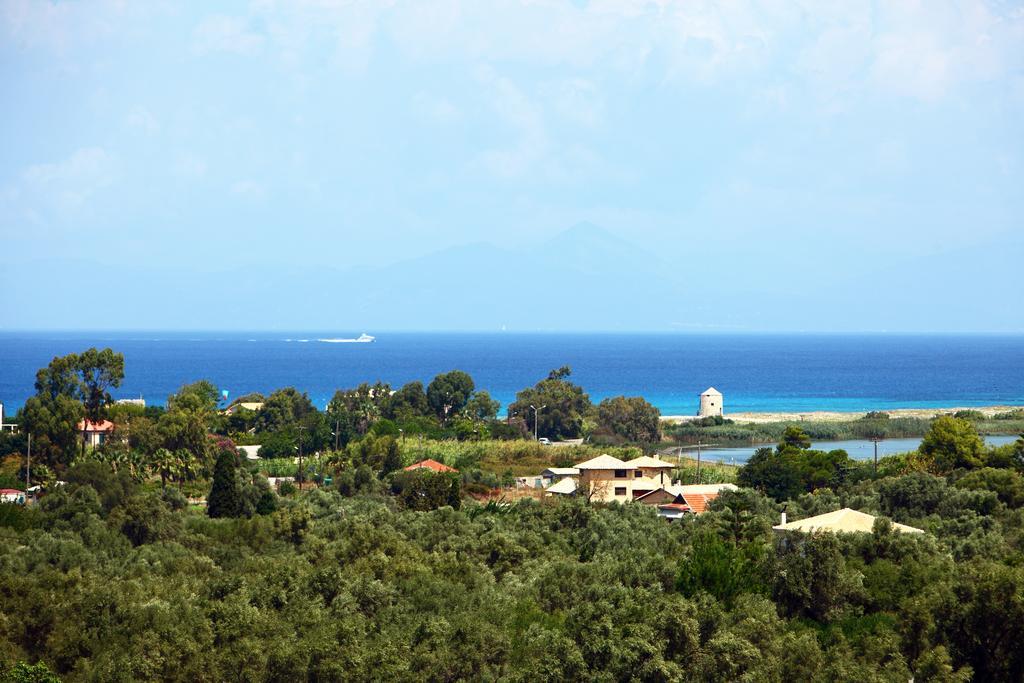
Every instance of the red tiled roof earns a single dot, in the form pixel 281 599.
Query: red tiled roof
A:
pixel 10 492
pixel 676 506
pixel 430 465
pixel 698 502
pixel 104 426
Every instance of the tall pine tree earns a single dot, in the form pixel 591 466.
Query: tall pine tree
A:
pixel 225 496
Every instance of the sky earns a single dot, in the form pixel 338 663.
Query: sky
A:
pixel 766 166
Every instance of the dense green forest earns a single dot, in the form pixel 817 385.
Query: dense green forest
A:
pixel 106 581
pixel 164 554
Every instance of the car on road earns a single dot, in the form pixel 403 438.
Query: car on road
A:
pixel 544 441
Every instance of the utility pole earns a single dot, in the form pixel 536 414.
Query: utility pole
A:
pixel 301 477
pixel 28 465
pixel 698 460
pixel 698 446
pixel 536 419
pixel 875 440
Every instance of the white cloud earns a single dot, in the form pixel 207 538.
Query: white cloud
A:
pixel 579 100
pixel 524 116
pixel 190 166
pixel 143 119
pixel 910 48
pixel 68 184
pixel 903 47
pixel 436 108
pixel 249 189
pixel 221 33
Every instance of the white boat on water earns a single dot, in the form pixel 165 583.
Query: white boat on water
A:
pixel 361 339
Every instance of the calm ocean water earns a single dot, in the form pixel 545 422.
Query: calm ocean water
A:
pixel 755 372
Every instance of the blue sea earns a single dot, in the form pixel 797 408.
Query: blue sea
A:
pixel 754 372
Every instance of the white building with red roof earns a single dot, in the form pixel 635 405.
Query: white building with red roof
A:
pixel 96 432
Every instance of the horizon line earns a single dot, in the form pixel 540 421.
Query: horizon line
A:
pixel 491 331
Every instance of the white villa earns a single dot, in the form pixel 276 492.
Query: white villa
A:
pixel 245 405
pixel 643 480
pixel 95 433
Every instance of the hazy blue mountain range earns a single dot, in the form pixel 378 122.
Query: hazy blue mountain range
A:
pixel 585 278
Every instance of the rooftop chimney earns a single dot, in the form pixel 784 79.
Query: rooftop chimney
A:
pixel 783 517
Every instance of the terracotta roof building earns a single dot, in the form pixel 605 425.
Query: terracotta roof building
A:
pixel 429 464
pixel 95 432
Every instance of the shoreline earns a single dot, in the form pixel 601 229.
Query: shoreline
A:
pixel 837 416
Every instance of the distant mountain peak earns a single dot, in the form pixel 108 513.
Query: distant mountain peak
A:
pixel 592 248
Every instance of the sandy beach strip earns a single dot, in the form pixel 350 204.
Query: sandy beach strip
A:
pixel 832 416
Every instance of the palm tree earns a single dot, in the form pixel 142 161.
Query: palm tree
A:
pixel 163 463
pixel 184 465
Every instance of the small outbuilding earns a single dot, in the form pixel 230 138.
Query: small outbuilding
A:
pixel 12 496
pixel 553 474
pixel 562 487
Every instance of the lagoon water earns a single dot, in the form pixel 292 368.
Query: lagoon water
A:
pixel 755 372
pixel 858 449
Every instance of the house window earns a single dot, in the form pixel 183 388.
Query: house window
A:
pixel 620 490
pixel 638 474
pixel 620 474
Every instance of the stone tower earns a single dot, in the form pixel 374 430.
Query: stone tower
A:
pixel 710 403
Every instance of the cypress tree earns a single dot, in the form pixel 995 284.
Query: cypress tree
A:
pixel 225 497
pixel 392 459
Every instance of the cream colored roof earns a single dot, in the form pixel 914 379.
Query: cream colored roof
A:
pixel 604 462
pixel 563 471
pixel 649 462
pixel 248 405
pixel 566 487
pixel 841 521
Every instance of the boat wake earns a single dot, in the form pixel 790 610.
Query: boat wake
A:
pixel 361 339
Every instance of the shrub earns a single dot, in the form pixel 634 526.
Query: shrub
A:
pixel 146 519
pixel 1007 484
pixel 173 498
